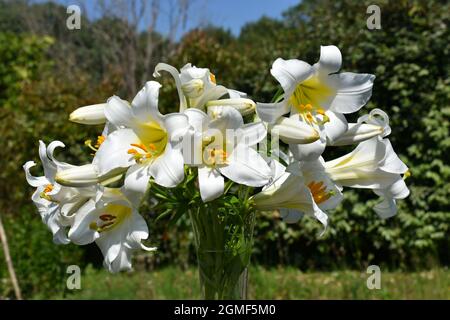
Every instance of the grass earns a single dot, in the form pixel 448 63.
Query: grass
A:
pixel 278 283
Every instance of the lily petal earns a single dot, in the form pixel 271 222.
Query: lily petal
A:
pixel 32 180
pixel 80 233
pixel 336 127
pixel 137 178
pixel 290 73
pixel 391 162
pixel 145 103
pixel 330 60
pixel 112 155
pixel 211 183
pixel 353 90
pixel 291 215
pixel 308 151
pixel 252 133
pixel 176 76
pixel 247 167
pixel 118 112
pixel 168 169
pixel 49 166
pixel 270 112
pixel 228 119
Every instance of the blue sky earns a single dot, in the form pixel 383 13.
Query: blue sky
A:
pixel 230 14
pixel 233 14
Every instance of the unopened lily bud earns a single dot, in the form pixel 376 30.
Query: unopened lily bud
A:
pixel 81 176
pixel 293 131
pixel 193 88
pixel 93 114
pixel 357 132
pixel 243 105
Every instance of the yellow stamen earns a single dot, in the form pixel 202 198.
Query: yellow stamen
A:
pixel 318 191
pixel 212 77
pixel 141 152
pixel 44 194
pixel 216 156
pixel 100 140
pixel 140 146
pixel 48 188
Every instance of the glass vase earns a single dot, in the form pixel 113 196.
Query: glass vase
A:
pixel 223 244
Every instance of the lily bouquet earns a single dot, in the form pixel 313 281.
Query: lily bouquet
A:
pixel 219 159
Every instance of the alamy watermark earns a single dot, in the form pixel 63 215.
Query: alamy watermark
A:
pixel 74 280
pixel 73 21
pixel 374 20
pixel 374 280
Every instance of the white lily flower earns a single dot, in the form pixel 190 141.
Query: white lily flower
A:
pixel 56 204
pixel 376 123
pixel 196 86
pixel 222 147
pixel 289 192
pixel 147 143
pixel 373 164
pixel 115 226
pixel 319 96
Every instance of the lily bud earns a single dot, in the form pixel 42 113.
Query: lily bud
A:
pixel 193 88
pixel 81 176
pixel 243 105
pixel 357 132
pixel 93 114
pixel 294 131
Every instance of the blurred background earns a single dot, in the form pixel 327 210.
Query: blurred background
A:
pixel 47 71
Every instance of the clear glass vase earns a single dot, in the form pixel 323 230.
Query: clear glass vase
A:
pixel 224 244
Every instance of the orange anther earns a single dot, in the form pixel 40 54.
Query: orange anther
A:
pixel 212 77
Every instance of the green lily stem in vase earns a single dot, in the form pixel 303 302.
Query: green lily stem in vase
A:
pixel 224 241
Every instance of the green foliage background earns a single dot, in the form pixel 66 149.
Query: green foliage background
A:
pixel 46 74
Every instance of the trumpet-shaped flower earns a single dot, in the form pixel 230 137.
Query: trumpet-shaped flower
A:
pixel 115 225
pixel 56 204
pixel 319 96
pixel 221 146
pixel 196 86
pixel 294 194
pixel 373 164
pixel 146 143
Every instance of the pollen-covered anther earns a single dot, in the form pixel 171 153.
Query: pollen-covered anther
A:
pixel 319 192
pixel 140 152
pixel 100 140
pixel 212 77
pixel 217 156
pixel 44 194
pixel 106 222
pixel 98 143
